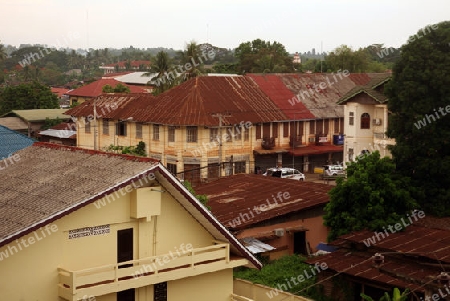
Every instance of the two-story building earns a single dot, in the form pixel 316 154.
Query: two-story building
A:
pixel 79 224
pixel 366 119
pixel 190 128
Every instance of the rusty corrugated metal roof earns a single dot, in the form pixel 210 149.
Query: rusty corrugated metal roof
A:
pixel 95 89
pixel 191 103
pixel 195 101
pixel 235 197
pixel 306 99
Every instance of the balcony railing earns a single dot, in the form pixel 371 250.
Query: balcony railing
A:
pixel 380 135
pixel 96 281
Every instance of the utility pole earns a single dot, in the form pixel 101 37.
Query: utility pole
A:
pixel 95 125
pixel 220 116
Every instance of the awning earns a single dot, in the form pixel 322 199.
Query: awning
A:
pixel 255 246
pixel 63 134
pixel 270 151
pixel 316 150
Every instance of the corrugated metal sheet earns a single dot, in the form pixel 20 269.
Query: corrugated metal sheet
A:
pixel 94 89
pixel 11 142
pixel 255 246
pixel 314 102
pixel 195 101
pixel 233 199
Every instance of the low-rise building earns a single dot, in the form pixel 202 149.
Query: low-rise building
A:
pixel 78 224
pixel 285 214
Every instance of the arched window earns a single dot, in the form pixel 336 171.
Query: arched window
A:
pixel 365 121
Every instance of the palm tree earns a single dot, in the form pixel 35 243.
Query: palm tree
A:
pixel 165 77
pixel 192 56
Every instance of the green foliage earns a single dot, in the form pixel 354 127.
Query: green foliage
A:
pixel 420 91
pixel 201 197
pixel 48 123
pixel 138 150
pixel 260 56
pixel 281 271
pixel 119 88
pixel 373 196
pixel 396 296
pixel 26 97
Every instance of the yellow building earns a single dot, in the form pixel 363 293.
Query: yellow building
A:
pixel 85 225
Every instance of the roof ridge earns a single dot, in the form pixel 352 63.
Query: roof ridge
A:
pixel 93 152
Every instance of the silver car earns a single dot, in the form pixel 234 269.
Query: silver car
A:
pixel 285 173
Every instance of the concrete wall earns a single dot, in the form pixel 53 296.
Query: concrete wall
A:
pixel 30 273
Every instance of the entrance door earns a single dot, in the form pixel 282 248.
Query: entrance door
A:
pixel 125 253
pixel 300 243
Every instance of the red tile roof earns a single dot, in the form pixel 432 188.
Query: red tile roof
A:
pixel 94 89
pixel 59 91
pixel 236 196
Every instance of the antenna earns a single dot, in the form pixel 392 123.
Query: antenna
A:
pixel 321 55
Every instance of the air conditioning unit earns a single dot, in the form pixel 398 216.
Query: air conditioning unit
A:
pixel 279 232
pixel 376 121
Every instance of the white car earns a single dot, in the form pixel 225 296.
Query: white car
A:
pixel 333 170
pixel 285 173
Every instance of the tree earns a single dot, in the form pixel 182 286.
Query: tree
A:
pixel 203 198
pixel 165 78
pixel 373 196
pixel 191 55
pixel 419 98
pixel 260 56
pixel 2 52
pixel 344 58
pixel 27 96
pixel 119 88
pixel 396 296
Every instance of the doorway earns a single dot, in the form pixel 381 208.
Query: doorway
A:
pixel 125 253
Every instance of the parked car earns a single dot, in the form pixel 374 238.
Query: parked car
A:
pixel 333 170
pixel 285 173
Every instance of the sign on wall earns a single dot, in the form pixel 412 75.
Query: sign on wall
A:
pixel 89 231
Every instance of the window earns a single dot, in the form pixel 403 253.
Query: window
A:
pixel 171 133
pixel 156 132
pixel 87 126
pixel 138 130
pixel 275 130
pixel 191 134
pixel 239 167
pixel 105 126
pixel 246 134
pixel 336 125
pixel 213 133
pixel 350 154
pixel 351 118
pixel 258 131
pixel 266 130
pixel 121 129
pixel 312 127
pixel 238 133
pixel 285 129
pixel 213 171
pixel 160 291
pixel 365 121
pixel 172 168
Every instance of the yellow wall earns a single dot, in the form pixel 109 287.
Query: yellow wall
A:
pixel 31 273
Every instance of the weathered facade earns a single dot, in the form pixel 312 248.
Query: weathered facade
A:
pixel 85 225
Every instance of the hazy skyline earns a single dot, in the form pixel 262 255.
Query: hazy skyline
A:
pixel 298 25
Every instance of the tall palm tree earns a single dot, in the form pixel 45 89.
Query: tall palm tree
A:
pixel 192 56
pixel 165 77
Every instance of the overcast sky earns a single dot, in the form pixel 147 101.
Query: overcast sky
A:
pixel 299 25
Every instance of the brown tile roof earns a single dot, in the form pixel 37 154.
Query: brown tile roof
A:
pixel 59 91
pixel 193 103
pixel 50 181
pixel 94 89
pixel 236 196
pixel 369 89
pixel 283 88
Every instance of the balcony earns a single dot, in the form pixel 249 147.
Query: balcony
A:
pixel 102 280
pixel 382 138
